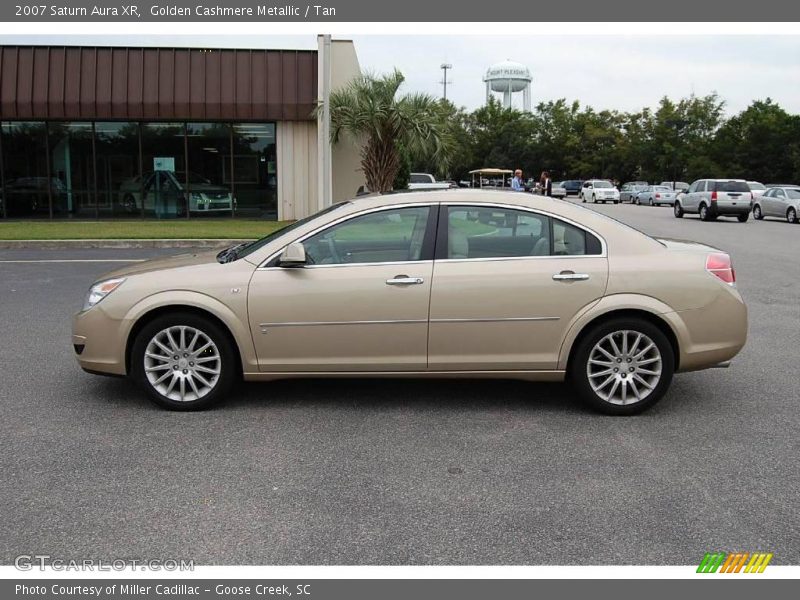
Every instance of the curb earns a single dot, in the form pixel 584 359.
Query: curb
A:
pixel 145 243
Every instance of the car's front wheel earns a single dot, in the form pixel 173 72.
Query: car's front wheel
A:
pixel 183 361
pixel 757 214
pixel 623 366
pixel 677 210
pixel 791 215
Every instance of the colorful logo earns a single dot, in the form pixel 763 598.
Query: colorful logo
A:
pixel 734 562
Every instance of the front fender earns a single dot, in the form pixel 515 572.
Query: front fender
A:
pixel 177 298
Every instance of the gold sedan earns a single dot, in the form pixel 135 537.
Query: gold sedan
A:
pixel 457 283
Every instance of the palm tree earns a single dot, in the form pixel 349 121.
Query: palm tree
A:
pixel 369 110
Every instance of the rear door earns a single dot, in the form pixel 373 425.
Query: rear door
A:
pixel 506 285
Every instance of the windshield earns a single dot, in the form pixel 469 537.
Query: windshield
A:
pixel 602 184
pixel 253 246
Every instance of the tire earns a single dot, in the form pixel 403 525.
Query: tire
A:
pixel 616 201
pixel 677 210
pixel 638 202
pixel 129 204
pixel 743 218
pixel 583 198
pixel 757 214
pixel 704 214
pixel 791 215
pixel 654 368
pixel 219 356
pixel 594 199
pixel 650 202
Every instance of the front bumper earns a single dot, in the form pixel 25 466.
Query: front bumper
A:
pixel 99 342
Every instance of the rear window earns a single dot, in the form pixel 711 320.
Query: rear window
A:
pixel 731 186
pixel 754 185
pixel 793 194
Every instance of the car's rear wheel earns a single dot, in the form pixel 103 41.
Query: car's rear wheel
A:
pixel 743 217
pixel 791 215
pixel 677 210
pixel 757 214
pixel 650 201
pixel 704 214
pixel 183 361
pixel 623 366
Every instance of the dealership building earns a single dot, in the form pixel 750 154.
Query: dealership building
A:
pixel 132 132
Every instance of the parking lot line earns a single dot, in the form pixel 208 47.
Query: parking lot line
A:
pixel 78 260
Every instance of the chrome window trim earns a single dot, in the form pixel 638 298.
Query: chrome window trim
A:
pixel 603 244
pixel 429 205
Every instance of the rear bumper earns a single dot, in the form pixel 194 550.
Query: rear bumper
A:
pixel 720 210
pixel 712 335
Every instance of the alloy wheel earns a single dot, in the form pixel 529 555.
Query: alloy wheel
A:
pixel 791 216
pixel 624 367
pixel 182 363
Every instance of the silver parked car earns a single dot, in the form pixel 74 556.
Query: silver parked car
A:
pixel 712 198
pixel 629 191
pixel 782 202
pixel 678 186
pixel 656 195
pixel 757 188
pixel 558 190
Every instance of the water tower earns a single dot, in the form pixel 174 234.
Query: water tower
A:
pixel 509 77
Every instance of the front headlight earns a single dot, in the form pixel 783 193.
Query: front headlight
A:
pixel 100 290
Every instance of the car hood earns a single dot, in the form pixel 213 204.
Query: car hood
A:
pixel 169 262
pixel 687 245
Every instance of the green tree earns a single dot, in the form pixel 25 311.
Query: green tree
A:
pixel 370 110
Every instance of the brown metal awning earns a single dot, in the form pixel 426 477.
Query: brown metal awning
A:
pixel 91 83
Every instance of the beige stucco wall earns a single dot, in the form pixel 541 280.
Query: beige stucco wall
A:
pixel 346 162
pixel 298 146
pixel 297 169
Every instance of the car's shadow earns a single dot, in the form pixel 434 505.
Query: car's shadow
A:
pixel 391 393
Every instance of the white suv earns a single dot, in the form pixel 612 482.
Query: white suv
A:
pixel 599 190
pixel 712 198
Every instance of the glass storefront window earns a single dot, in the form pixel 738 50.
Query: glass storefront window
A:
pixel 209 153
pixel 26 191
pixel 255 174
pixel 119 169
pixel 163 158
pixel 72 169
pixel 119 186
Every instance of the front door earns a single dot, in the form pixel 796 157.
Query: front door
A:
pixel 361 302
pixel 506 287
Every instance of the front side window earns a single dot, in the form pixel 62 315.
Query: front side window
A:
pixel 486 232
pixel 394 235
pixel 694 187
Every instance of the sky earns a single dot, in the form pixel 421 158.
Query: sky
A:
pixel 623 72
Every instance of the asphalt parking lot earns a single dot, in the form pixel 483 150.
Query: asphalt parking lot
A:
pixel 402 472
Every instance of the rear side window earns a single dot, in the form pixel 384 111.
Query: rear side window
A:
pixel 487 232
pixel 730 186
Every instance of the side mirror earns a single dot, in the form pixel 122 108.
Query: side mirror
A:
pixel 294 255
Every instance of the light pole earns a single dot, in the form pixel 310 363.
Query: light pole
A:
pixel 445 67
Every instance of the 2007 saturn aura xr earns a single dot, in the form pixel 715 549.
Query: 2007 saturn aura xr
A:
pixel 462 283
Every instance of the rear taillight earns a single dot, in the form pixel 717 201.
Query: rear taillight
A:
pixel 658 195
pixel 714 196
pixel 720 266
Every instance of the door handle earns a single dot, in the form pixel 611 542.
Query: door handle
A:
pixel 404 280
pixel 570 276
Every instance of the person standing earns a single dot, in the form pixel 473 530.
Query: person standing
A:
pixel 547 184
pixel 516 183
